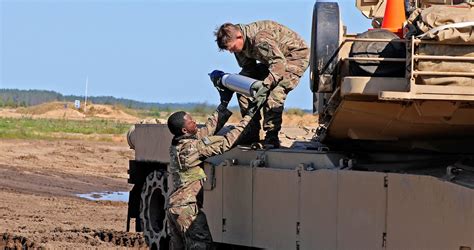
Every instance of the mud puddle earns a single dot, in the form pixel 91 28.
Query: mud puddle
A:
pixel 105 196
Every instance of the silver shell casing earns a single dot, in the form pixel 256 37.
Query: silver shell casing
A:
pixel 239 83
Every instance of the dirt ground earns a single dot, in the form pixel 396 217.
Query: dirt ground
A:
pixel 39 181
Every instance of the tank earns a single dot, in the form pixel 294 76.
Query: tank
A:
pixel 390 166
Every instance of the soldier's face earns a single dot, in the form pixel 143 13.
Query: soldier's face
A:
pixel 236 45
pixel 190 126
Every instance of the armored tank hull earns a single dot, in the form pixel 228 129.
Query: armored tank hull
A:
pixel 304 197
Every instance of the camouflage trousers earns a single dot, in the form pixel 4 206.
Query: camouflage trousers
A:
pixel 187 222
pixel 273 107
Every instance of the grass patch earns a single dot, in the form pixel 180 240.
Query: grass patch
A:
pixel 27 128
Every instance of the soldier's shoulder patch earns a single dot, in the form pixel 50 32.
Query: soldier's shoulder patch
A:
pixel 206 141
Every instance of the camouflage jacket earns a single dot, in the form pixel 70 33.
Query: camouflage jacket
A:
pixel 274 45
pixel 187 153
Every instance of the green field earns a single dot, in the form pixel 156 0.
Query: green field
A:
pixel 27 128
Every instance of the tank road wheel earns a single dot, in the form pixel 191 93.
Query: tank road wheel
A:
pixel 153 202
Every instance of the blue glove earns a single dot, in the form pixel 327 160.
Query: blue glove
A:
pixel 216 77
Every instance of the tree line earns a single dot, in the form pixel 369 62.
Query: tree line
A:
pixel 23 98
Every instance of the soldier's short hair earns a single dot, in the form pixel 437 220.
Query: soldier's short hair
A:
pixel 176 123
pixel 224 34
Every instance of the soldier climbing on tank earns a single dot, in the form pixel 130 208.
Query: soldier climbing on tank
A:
pixel 283 57
pixel 190 147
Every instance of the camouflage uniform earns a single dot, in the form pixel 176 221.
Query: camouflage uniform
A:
pixel 283 57
pixel 188 224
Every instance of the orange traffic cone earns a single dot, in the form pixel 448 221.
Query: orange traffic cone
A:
pixel 394 16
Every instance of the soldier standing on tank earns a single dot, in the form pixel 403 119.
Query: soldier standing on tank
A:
pixel 283 57
pixel 190 147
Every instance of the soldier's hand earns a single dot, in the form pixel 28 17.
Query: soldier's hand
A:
pixel 259 90
pixel 260 93
pixel 216 77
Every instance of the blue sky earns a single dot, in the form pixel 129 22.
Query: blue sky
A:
pixel 154 51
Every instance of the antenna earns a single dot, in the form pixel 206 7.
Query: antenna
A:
pixel 85 98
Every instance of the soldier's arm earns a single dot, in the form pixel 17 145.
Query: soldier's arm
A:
pixel 270 54
pixel 215 145
pixel 214 123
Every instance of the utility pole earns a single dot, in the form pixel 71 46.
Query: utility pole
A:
pixel 85 99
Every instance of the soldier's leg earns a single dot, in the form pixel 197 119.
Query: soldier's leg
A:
pixel 198 236
pixel 252 131
pixel 189 229
pixel 176 234
pixel 187 220
pixel 272 113
pixel 273 109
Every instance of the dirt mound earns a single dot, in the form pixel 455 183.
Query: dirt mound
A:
pixel 109 112
pixel 87 236
pixel 125 239
pixel 67 110
pixel 44 108
pixel 56 110
pixel 289 120
pixel 84 236
pixel 10 241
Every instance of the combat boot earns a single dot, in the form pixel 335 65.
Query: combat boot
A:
pixel 271 140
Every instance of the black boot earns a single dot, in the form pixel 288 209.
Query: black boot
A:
pixel 271 140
